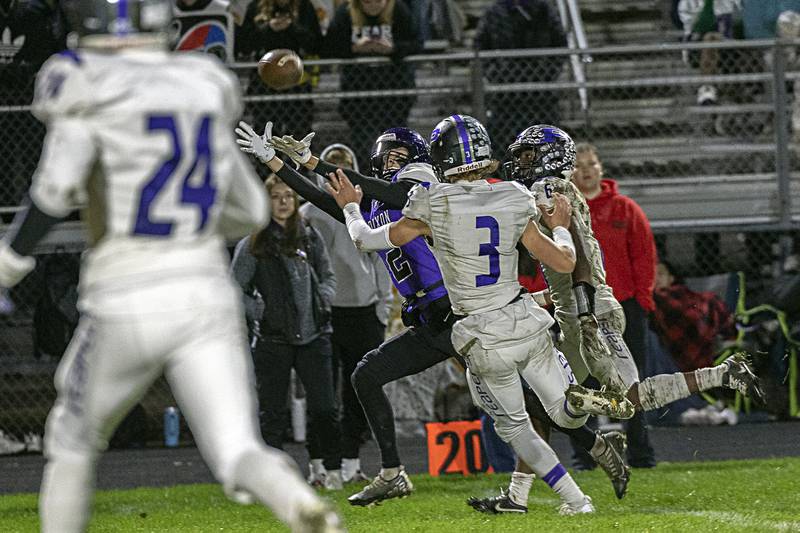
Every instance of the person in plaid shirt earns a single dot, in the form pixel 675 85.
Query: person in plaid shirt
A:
pixel 689 324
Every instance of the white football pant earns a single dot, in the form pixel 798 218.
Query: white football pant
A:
pixel 192 331
pixel 494 378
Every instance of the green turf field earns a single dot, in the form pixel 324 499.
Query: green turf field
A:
pixel 754 495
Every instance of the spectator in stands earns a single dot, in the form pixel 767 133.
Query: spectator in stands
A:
pixel 509 24
pixel 446 21
pixel 373 28
pixel 360 311
pixel 271 24
pixel 689 324
pixel 624 235
pixel 709 21
pixel 288 265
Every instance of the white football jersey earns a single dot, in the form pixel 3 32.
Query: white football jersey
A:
pixel 476 226
pixel 417 173
pixel 143 141
pixel 560 284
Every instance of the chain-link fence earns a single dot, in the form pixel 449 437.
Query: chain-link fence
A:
pixel 700 135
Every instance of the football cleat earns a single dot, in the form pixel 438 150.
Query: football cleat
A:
pixel 612 461
pixel 739 376
pixel 318 517
pixel 570 510
pixel 599 402
pixel 333 480
pixel 497 504
pixel 381 489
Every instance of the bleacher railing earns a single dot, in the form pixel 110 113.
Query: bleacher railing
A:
pixel 718 177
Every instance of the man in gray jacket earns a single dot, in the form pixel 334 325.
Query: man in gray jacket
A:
pixel 360 312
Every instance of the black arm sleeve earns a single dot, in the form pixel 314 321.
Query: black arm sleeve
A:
pixel 28 228
pixel 394 195
pixel 311 192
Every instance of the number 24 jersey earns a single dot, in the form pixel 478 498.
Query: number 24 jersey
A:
pixel 142 141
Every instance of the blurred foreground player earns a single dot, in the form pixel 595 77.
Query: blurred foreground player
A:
pixel 141 138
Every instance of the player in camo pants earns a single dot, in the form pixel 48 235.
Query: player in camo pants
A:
pixel 591 319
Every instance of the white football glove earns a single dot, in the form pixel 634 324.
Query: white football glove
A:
pixel 251 142
pixel 13 267
pixel 299 151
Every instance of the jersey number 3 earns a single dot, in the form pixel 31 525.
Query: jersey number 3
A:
pixel 201 195
pixel 490 249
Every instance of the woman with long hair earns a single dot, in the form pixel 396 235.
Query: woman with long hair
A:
pixel 287 264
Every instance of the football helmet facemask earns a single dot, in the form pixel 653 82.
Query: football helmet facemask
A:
pixel 387 146
pixel 541 151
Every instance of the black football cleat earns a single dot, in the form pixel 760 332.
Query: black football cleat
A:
pixel 612 461
pixel 496 504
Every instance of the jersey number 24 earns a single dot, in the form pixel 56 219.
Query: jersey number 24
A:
pixel 202 195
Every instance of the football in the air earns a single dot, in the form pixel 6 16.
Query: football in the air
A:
pixel 280 69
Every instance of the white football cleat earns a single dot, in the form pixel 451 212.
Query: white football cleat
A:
pixel 318 517
pixel 569 510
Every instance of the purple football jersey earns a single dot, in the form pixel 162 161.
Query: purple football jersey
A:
pixel 412 266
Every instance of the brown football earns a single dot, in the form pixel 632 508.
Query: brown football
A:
pixel 280 69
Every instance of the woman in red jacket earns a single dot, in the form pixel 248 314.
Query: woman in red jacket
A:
pixel 629 254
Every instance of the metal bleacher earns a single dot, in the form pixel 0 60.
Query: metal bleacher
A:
pixel 687 165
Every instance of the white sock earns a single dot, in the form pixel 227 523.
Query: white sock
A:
pixel 390 473
pixel 350 467
pixel 561 482
pixel 660 390
pixel 520 487
pixel 541 458
pixel 710 377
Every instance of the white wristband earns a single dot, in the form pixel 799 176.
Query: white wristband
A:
pixel 562 237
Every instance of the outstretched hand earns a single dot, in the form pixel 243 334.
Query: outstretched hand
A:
pixel 299 151
pixel 251 142
pixel 560 214
pixel 342 189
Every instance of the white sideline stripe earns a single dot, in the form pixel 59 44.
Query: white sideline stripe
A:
pixel 740 519
pixel 737 519
pixel 728 517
